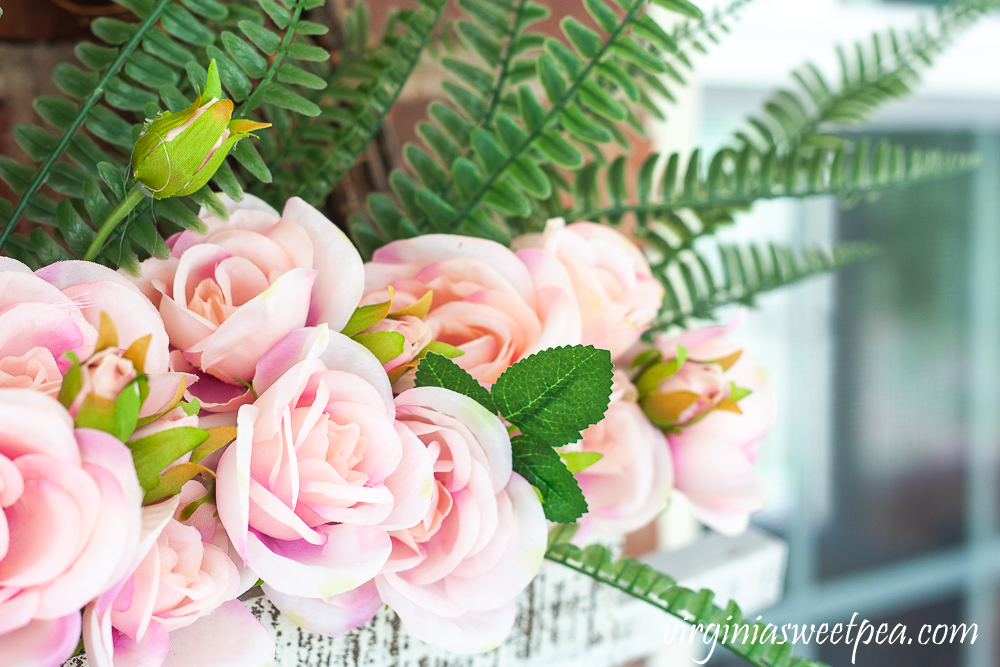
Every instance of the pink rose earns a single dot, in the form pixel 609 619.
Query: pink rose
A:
pixel 453 577
pixel 69 524
pixel 631 483
pixel 230 295
pixel 44 315
pixel 319 472
pixel 486 301
pixel 714 455
pixel 187 570
pixel 617 294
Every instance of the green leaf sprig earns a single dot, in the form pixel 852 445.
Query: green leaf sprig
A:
pixel 550 398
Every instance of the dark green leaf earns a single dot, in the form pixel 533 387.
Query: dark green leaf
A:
pixel 282 97
pixel 436 370
pixel 542 467
pixel 555 394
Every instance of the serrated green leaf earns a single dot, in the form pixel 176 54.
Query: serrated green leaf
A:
pixel 544 469
pixel 581 127
pixel 600 102
pixel 310 28
pixel 603 15
pixel 276 13
pixel 555 394
pixel 75 232
pixel 532 112
pixel 436 370
pixel 113 177
pixel 473 75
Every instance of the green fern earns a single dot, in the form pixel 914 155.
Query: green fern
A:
pixel 693 607
pixel 499 151
pixel 735 179
pixel 882 70
pixel 160 65
pixel 310 155
pixel 695 289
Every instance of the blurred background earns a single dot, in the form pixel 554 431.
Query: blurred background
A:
pixel 883 471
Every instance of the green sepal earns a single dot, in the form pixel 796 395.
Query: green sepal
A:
pixel 579 461
pixel 170 482
pixel 649 380
pixel 738 393
pixel 385 345
pixel 155 452
pixel 218 437
pixel 118 417
pixel 72 381
pixel 367 316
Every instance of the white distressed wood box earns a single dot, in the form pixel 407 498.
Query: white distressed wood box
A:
pixel 563 618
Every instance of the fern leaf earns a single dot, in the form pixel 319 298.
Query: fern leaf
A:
pixel 734 180
pixel 694 289
pixel 81 115
pixel 758 644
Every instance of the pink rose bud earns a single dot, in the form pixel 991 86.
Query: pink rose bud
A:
pixel 416 336
pixel 104 375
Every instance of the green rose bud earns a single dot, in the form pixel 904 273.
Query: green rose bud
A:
pixel 177 153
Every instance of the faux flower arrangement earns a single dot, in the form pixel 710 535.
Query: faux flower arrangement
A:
pixel 263 405
pixel 246 401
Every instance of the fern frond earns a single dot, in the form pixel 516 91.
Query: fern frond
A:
pixel 886 68
pixel 44 144
pixel 160 66
pixel 498 153
pixel 758 645
pixel 312 154
pixel 736 179
pixel 708 27
pixel 695 288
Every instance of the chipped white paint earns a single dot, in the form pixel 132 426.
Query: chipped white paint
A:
pixel 563 618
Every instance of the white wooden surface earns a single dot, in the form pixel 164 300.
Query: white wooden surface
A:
pixel 564 618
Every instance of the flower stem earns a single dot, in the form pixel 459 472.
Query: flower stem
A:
pixel 124 207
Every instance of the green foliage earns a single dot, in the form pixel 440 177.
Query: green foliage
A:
pixel 436 370
pixel 555 394
pixel 544 469
pixel 693 607
pixel 309 155
pixel 550 397
pixel 265 57
pixel 496 153
pixel 696 286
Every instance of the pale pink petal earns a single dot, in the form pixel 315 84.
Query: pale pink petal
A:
pixel 461 632
pixel 351 556
pixel 41 643
pixel 488 432
pixel 35 423
pixel 411 483
pixel 234 349
pixel 518 564
pixel 149 652
pixel 233 485
pixel 11 264
pixel 228 637
pixel 332 616
pixel 341 278
pixel 431 248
